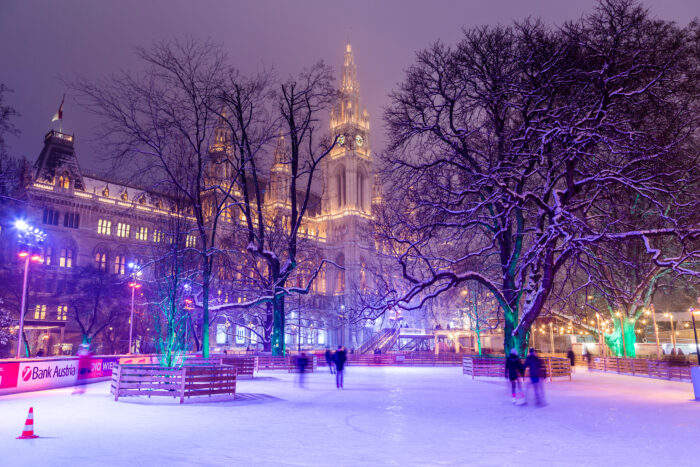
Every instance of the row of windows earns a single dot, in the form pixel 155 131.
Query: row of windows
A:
pixel 117 266
pixel 65 258
pixel 104 227
pixel 61 312
pixel 70 219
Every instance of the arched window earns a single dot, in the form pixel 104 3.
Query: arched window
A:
pixel 66 258
pixel 119 264
pixel 64 181
pixel 101 260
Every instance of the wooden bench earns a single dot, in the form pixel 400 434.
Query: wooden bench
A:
pixel 186 381
pixel 246 366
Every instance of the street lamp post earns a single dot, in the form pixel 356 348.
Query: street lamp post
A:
pixel 134 285
pixel 656 331
pixel 695 332
pixel 551 337
pixel 342 323
pixel 30 237
pixel 27 257
pixel 299 313
pixel 601 338
pixel 673 332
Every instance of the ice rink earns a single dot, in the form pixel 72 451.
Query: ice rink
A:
pixel 384 416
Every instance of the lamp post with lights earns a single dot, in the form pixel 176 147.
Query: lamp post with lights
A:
pixel 551 337
pixel 601 337
pixel 29 237
pixel 673 333
pixel 133 285
pixel 656 330
pixel 693 311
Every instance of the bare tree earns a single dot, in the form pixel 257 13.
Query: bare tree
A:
pixel 98 302
pixel 6 323
pixel 273 232
pixel 161 123
pixel 9 166
pixel 509 150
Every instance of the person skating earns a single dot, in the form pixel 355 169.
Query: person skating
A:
pixel 534 363
pixel 84 366
pixel 329 361
pixel 302 363
pixel 339 358
pixel 514 370
pixel 572 358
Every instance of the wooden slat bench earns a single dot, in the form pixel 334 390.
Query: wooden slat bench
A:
pixel 246 366
pixel 186 381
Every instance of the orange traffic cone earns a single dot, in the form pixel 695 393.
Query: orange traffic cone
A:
pixel 28 432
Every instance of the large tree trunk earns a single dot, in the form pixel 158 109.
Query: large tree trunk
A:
pixel 615 340
pixel 205 313
pixel 278 348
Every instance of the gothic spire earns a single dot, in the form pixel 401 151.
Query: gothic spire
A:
pixel 348 111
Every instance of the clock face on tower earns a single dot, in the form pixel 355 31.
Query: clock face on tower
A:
pixel 359 140
pixel 341 139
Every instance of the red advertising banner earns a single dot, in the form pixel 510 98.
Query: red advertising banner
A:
pixel 8 375
pixel 35 375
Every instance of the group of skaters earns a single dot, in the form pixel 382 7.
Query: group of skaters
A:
pixel 335 360
pixel 515 370
pixel 336 363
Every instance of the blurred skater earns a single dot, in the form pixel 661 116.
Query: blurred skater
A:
pixel 572 358
pixel 339 358
pixel 329 361
pixel 302 363
pixel 84 365
pixel 534 363
pixel 514 371
pixel 588 358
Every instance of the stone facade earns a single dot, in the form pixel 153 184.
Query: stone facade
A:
pixel 96 223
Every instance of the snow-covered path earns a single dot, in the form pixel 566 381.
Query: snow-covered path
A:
pixel 384 416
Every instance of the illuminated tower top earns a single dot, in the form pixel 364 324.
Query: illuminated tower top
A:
pixel 347 111
pixel 349 123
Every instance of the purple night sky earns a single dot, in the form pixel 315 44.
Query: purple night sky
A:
pixel 43 42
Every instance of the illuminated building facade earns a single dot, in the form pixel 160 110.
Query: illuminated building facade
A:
pixel 97 223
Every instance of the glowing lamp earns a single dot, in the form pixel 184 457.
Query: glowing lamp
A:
pixel 36 258
pixel 23 254
pixel 21 224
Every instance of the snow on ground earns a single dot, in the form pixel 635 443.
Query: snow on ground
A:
pixel 384 416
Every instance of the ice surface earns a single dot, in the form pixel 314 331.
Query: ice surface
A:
pixel 384 416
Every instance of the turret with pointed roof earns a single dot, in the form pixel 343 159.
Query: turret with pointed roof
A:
pixel 58 161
